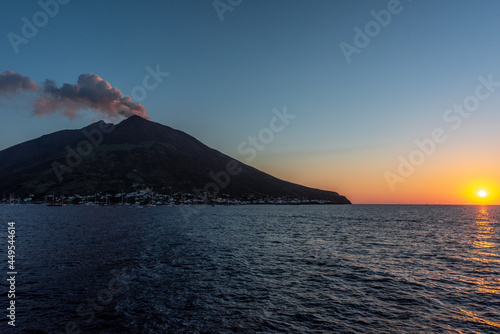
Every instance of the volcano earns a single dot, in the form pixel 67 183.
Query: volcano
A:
pixel 137 153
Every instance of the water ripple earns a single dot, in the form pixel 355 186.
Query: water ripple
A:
pixel 259 269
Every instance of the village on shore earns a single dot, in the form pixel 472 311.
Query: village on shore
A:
pixel 147 197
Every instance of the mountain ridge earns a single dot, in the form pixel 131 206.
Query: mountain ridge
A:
pixel 137 153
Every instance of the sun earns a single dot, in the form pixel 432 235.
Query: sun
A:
pixel 482 192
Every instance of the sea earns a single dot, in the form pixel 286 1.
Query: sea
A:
pixel 252 269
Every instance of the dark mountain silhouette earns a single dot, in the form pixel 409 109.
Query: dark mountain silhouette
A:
pixel 136 153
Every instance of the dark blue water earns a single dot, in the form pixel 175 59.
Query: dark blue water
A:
pixel 255 269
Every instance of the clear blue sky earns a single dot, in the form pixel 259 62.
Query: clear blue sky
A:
pixel 227 76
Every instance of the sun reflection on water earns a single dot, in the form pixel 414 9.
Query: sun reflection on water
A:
pixel 475 318
pixel 484 252
pixel 485 238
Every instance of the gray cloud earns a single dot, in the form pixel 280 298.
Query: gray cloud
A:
pixel 90 92
pixel 13 83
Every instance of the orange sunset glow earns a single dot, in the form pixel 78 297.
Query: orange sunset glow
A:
pixel 450 176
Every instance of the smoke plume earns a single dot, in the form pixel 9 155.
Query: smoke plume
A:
pixel 90 92
pixel 12 83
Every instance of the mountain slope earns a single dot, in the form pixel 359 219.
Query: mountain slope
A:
pixel 136 153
